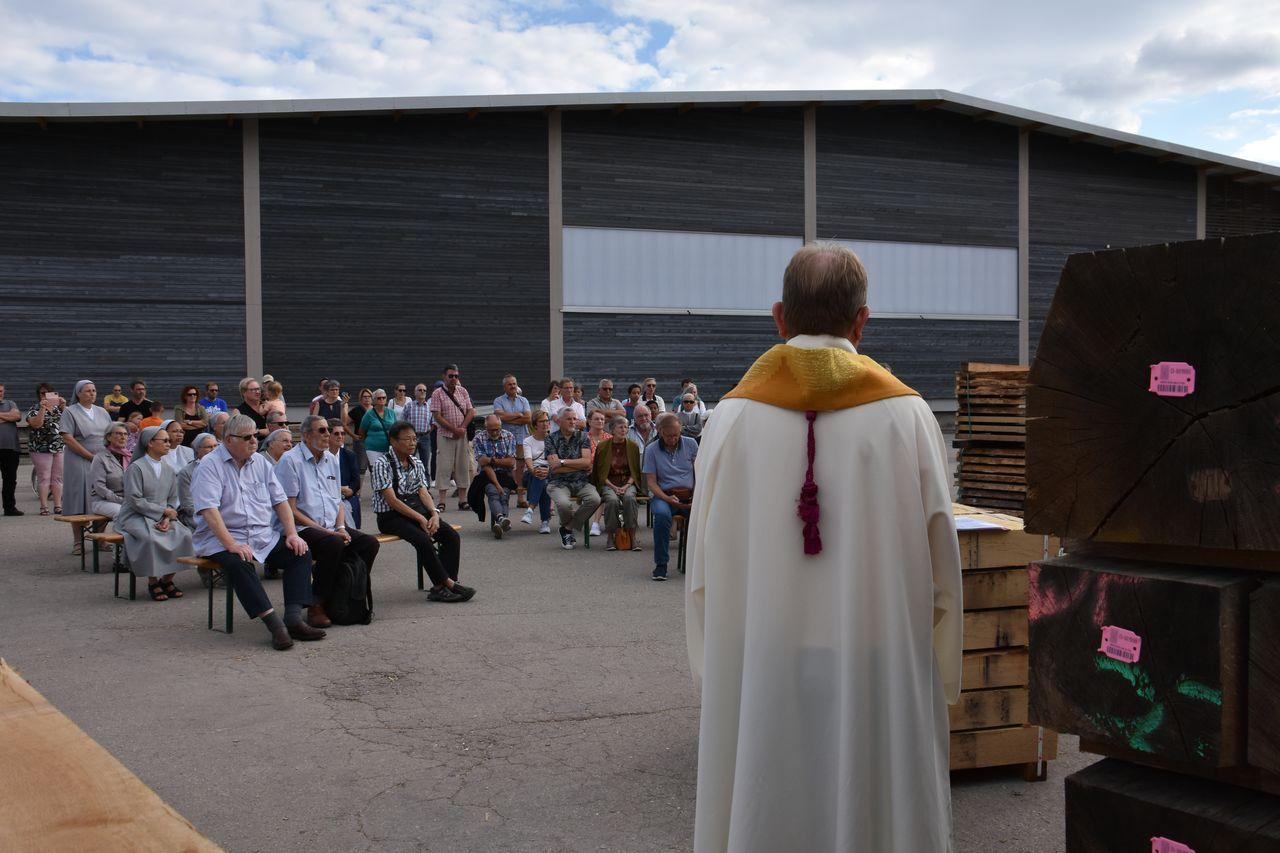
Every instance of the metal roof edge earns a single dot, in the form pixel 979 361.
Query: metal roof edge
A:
pixel 278 108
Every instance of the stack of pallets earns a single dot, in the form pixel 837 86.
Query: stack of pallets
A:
pixel 991 434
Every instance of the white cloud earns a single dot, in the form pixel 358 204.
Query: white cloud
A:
pixel 1096 60
pixel 1264 150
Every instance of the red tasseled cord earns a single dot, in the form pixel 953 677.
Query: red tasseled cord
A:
pixel 808 508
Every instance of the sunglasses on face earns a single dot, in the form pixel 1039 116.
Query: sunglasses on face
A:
pixel 452 376
pixel 249 437
pixel 321 430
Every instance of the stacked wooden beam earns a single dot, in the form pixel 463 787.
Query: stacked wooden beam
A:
pixel 1154 445
pixel 991 434
pixel 989 725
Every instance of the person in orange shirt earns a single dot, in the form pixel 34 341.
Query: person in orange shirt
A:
pixel 157 416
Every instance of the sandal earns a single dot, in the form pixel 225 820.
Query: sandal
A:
pixel 44 511
pixel 77 550
pixel 171 590
pixel 157 591
pixel 57 510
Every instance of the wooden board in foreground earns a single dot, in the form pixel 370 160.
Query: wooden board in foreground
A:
pixel 999 747
pixel 60 790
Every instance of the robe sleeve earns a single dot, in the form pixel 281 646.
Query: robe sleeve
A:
pixel 701 518
pixel 944 553
pixel 135 494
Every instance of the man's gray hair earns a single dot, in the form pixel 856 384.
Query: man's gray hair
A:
pixel 668 418
pixel 823 289
pixel 310 421
pixel 601 383
pixel 275 436
pixel 239 423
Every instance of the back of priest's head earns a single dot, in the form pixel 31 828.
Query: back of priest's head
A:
pixel 824 292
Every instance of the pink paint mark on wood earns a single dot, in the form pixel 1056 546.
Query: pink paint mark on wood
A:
pixel 1045 599
pixel 1160 844
pixel 1172 379
pixel 1120 644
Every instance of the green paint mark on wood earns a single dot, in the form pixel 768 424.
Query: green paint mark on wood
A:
pixel 1200 690
pixel 1130 673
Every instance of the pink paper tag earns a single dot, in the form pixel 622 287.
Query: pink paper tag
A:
pixel 1172 379
pixel 1119 644
pixel 1168 845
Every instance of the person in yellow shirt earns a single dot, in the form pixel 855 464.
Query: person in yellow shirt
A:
pixel 114 401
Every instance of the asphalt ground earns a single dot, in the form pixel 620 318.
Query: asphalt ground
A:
pixel 554 712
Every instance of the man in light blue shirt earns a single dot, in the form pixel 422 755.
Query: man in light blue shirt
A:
pixel 238 505
pixel 311 479
pixel 516 414
pixel 668 469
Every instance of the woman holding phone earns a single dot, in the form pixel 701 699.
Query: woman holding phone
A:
pixel 45 445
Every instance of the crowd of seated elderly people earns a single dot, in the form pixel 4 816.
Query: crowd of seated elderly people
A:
pixel 227 481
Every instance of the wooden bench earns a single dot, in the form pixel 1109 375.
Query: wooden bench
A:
pixel 385 538
pixel 78 524
pixel 215 572
pixel 118 565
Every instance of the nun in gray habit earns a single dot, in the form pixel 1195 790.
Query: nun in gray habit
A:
pixel 154 539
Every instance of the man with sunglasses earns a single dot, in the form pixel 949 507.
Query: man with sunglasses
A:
pixel 212 401
pixel 451 407
pixel 311 478
pixel 242 517
pixel 650 392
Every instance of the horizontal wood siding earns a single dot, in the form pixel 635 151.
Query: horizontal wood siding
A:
pixel 716 350
pixel 391 248
pixel 1233 208
pixel 1084 197
pixel 897 173
pixel 721 171
pixel 122 256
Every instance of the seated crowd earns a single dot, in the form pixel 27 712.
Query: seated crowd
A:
pixel 227 483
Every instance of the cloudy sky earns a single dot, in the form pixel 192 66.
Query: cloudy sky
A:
pixel 1205 74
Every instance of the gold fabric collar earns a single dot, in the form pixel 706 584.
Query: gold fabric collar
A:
pixel 825 379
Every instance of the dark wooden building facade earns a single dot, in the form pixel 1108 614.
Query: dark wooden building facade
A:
pixel 374 241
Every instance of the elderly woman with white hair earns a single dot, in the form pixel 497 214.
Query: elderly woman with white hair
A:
pixel 106 472
pixel 204 443
pixel 278 443
pixel 81 427
pixel 154 538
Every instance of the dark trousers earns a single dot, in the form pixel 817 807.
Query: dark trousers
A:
pixel 244 578
pixel 425 452
pixel 431 466
pixel 439 566
pixel 9 474
pixel 328 550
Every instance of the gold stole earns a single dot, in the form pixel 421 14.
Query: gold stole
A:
pixel 817 380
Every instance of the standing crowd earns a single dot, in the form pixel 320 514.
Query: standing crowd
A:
pixel 226 482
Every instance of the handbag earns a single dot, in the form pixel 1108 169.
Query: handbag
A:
pixel 471 424
pixel 413 502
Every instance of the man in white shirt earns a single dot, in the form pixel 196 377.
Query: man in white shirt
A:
pixel 312 481
pixel 565 401
pixel 650 392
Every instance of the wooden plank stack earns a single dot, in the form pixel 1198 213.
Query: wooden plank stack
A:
pixel 1154 447
pixel 991 436
pixel 989 725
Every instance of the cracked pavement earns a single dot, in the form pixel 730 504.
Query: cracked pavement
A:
pixel 554 712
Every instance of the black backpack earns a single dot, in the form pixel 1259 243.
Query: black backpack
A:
pixel 351 602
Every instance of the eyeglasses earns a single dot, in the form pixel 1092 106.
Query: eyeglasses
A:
pixel 253 388
pixel 214 390
pixel 401 388
pixel 193 394
pixel 321 430
pixel 452 376
pixel 250 437
pixel 380 397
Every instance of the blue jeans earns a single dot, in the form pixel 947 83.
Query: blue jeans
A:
pixel 499 501
pixel 536 494
pixel 662 514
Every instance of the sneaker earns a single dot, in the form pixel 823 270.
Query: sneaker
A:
pixel 545 527
pixel 465 593
pixel 566 539
pixel 595 528
pixel 610 545
pixel 505 522
pixel 443 593
pixel 527 518
pixel 496 527
pixel 659 573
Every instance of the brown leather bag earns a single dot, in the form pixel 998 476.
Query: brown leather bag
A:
pixel 622 540
pixel 681 494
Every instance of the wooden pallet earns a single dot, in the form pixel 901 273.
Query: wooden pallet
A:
pixel 991 433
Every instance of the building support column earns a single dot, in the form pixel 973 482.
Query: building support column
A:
pixel 252 252
pixel 1024 247
pixel 555 238
pixel 1202 203
pixel 810 173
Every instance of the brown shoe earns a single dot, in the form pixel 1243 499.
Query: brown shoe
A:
pixel 304 632
pixel 317 618
pixel 280 640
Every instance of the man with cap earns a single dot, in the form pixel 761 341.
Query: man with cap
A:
pixel 827 639
pixel 242 517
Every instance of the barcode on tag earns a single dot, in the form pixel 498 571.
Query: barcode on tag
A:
pixel 1172 379
pixel 1120 644
pixel 1159 844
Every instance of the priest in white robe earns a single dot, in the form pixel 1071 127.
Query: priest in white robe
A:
pixel 823 601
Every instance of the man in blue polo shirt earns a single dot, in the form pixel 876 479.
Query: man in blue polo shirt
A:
pixel 668 469
pixel 212 402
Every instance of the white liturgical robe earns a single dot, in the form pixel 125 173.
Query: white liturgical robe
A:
pixel 825 679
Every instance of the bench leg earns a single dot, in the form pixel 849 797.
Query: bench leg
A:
pixel 586 534
pixel 230 611
pixel 133 587
pixel 115 571
pixel 420 584
pixel 680 548
pixel 212 577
